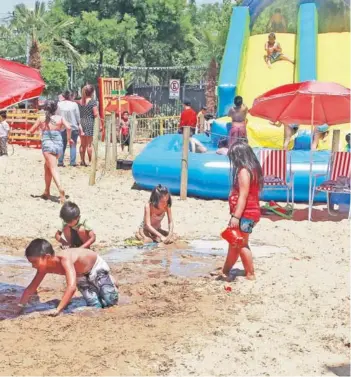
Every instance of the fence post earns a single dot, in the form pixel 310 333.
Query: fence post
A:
pixel 114 138
pixel 185 158
pixel 92 178
pixel 107 142
pixel 132 134
pixel 336 140
pixel 162 126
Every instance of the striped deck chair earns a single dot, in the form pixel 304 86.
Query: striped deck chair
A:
pixel 338 178
pixel 274 166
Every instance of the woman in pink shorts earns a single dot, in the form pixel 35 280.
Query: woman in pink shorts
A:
pixel 238 114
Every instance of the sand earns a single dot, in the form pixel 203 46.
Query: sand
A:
pixel 293 320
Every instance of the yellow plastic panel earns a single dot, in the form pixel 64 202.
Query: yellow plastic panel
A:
pixel 258 79
pixel 333 64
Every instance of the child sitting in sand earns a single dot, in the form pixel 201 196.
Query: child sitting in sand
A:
pixel 274 51
pixel 155 210
pixel 75 229
pixel 83 269
pixel 244 204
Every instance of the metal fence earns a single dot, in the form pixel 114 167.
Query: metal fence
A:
pixel 148 128
pixel 164 106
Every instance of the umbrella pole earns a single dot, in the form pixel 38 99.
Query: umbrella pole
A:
pixel 311 163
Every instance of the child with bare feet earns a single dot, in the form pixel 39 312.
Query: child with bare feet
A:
pixel 75 229
pixel 159 205
pixel 244 204
pixel 83 269
pixel 51 126
pixel 274 51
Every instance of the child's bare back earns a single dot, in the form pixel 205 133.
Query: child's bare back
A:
pixel 83 269
pixel 83 261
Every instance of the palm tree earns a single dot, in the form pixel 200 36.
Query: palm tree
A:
pixel 45 35
pixel 214 43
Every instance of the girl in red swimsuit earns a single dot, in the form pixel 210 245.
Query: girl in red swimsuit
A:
pixel 243 203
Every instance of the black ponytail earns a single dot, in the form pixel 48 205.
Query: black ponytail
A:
pixel 50 110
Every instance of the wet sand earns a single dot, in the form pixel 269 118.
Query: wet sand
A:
pixel 173 318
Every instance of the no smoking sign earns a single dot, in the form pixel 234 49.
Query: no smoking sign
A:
pixel 174 89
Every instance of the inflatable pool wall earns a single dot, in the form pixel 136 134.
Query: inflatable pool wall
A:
pixel 209 173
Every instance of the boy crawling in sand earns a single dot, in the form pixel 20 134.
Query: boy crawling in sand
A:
pixel 274 51
pixel 75 229
pixel 84 269
pixel 158 206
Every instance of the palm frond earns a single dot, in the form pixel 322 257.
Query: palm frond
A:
pixel 68 51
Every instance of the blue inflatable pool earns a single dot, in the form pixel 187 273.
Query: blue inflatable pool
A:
pixel 209 173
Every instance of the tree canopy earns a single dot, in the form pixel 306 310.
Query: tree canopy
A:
pixel 101 36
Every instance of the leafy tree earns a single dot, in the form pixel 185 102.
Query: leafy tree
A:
pixel 55 76
pixel 105 8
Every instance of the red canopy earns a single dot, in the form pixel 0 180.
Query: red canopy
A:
pixel 132 104
pixel 18 83
pixel 291 104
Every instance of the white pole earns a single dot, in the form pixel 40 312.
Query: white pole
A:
pixel 311 163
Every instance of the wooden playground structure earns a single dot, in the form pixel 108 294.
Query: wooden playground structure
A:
pixel 20 121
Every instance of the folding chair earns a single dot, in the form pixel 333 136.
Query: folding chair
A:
pixel 338 178
pixel 274 167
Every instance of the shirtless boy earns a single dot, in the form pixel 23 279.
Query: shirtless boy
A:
pixel 274 51
pixel 84 269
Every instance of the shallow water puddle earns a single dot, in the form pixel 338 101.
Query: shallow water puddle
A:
pixel 198 259
pixel 9 260
pixel 10 295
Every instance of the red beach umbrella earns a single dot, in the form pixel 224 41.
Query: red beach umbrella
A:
pixel 132 104
pixel 18 83
pixel 309 102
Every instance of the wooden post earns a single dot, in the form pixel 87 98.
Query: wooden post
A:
pixel 95 152
pixel 114 138
pixel 132 134
pixel 185 158
pixel 107 142
pixel 336 140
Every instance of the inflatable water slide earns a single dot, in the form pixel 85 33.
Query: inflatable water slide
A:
pixel 324 57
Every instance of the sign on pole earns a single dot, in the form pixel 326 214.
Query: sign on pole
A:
pixel 174 89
